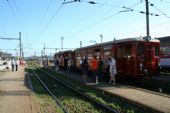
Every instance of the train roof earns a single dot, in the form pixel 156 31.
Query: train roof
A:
pixel 142 39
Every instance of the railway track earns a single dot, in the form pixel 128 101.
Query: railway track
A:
pixel 41 74
pixel 158 85
pixel 150 107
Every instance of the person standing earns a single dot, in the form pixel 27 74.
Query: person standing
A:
pixel 100 68
pixel 85 68
pixel 69 65
pixel 12 64
pixel 57 64
pixel 16 65
pixel 94 67
pixel 112 70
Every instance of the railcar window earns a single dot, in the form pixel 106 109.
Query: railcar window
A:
pixel 141 49
pixel 165 51
pixel 156 51
pixel 107 53
pixel 97 50
pixel 128 51
pixel 108 48
pixel 120 52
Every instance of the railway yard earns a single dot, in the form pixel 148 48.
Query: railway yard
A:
pixel 53 91
pixel 85 56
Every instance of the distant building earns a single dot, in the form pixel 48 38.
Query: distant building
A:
pixel 5 55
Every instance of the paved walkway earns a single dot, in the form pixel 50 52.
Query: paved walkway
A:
pixel 14 95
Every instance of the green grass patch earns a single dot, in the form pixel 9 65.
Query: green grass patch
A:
pixel 110 100
pixel 44 101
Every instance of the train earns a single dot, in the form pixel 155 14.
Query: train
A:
pixel 135 57
pixel 164 53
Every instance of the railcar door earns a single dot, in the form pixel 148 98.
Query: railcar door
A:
pixel 126 60
pixel 152 58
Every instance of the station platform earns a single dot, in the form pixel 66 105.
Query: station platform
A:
pixel 151 101
pixel 15 96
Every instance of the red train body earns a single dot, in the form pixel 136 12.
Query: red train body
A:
pixel 134 56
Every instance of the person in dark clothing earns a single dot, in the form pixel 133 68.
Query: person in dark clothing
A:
pixel 16 65
pixel 85 68
pixel 100 68
pixel 57 64
pixel 12 64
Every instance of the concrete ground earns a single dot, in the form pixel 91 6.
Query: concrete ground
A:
pixel 15 97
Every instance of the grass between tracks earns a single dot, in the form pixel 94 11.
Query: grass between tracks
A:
pixel 45 102
pixel 110 100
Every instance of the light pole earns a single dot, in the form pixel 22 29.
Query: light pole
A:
pixel 101 36
pixel 62 43
pixel 80 44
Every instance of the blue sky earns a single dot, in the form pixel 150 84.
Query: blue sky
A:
pixel 46 21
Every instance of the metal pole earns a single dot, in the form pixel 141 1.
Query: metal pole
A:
pixel 62 43
pixel 101 36
pixel 20 46
pixel 80 44
pixel 22 51
pixel 44 49
pixel 147 18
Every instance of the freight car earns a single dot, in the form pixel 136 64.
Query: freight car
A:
pixel 134 56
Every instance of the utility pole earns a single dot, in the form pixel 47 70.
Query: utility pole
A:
pixel 62 43
pixel 20 45
pixel 80 44
pixel 16 39
pixel 101 36
pixel 22 51
pixel 44 49
pixel 41 53
pixel 147 20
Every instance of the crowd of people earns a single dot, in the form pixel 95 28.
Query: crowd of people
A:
pixel 102 69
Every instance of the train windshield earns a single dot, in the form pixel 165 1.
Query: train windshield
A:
pixel 142 49
pixel 156 48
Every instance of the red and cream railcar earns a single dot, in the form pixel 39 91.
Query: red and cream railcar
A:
pixel 63 57
pixel 134 56
pixel 100 50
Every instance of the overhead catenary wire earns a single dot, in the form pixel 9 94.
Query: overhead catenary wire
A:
pixel 13 11
pixel 41 20
pixel 159 10
pixel 87 16
pixel 127 9
pixel 91 25
pixel 101 4
pixel 136 4
pixel 139 29
pixel 53 16
pixel 165 1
